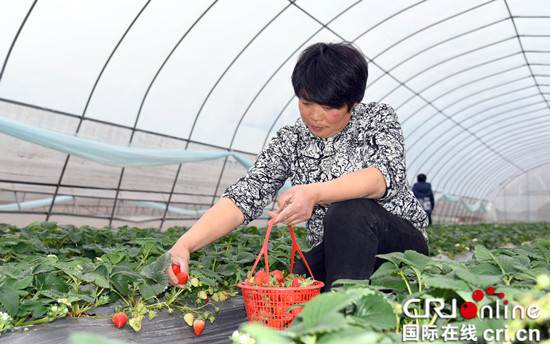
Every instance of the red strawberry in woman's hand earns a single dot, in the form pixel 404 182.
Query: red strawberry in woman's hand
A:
pixel 182 276
pixel 198 326
pixel 119 319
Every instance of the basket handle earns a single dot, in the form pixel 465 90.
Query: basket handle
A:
pixel 263 252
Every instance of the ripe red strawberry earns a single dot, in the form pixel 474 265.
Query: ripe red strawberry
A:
pixel 297 281
pixel 278 275
pixel 261 278
pixel 198 326
pixel 182 277
pixel 287 282
pixel 119 319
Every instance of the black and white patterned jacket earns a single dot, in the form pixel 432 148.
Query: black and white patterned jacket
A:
pixel 372 138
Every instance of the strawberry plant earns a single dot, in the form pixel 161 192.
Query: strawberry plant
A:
pixel 452 239
pixel 48 271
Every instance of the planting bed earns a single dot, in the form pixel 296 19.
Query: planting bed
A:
pixel 165 328
pixel 50 274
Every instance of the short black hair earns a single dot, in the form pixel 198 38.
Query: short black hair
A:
pixel 421 177
pixel 333 74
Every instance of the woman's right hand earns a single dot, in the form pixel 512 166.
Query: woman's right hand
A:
pixel 217 222
pixel 180 257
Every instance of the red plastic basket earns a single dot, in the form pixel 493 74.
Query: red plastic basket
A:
pixel 268 305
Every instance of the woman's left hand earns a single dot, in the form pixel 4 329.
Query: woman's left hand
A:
pixel 295 205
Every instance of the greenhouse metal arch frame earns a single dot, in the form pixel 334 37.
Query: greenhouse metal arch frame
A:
pixel 469 82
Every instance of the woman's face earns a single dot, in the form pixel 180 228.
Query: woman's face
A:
pixel 322 120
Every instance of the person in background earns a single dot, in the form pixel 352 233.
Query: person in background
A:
pixel 346 163
pixel 423 192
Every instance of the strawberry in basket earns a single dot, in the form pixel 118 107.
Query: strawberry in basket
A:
pixel 269 297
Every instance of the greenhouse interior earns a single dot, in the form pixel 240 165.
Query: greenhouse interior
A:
pixel 140 114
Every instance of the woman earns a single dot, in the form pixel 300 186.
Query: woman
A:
pixel 346 161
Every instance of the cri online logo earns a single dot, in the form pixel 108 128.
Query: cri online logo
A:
pixel 469 309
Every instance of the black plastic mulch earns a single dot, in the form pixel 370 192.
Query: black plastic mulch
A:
pixel 164 328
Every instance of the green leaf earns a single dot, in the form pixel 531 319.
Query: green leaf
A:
pixel 528 253
pixel 325 306
pixel 328 322
pixel 133 252
pixel 227 269
pixel 374 310
pixel 121 276
pixel 75 236
pixel 102 270
pixel 99 280
pixel 51 294
pixel 36 307
pixel 20 284
pixel 387 268
pixel 266 335
pixel 208 277
pixel 395 257
pixel 113 258
pixel 23 247
pixel 445 282
pixel 544 249
pixel 9 300
pixel 157 280
pixel 353 283
pixel 532 274
pixel 156 269
pixel 76 297
pixel 41 268
pixel 484 269
pixel 88 338
pixel 55 295
pixel 120 283
pixel 125 271
pixel 477 280
pixel 389 282
pixel 244 257
pixel 50 282
pixel 148 291
pixel 417 260
pixel 350 335
pixel 508 264
pixel 482 254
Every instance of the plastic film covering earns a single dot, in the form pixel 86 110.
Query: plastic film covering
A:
pixel 470 82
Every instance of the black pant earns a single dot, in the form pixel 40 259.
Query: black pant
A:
pixel 355 231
